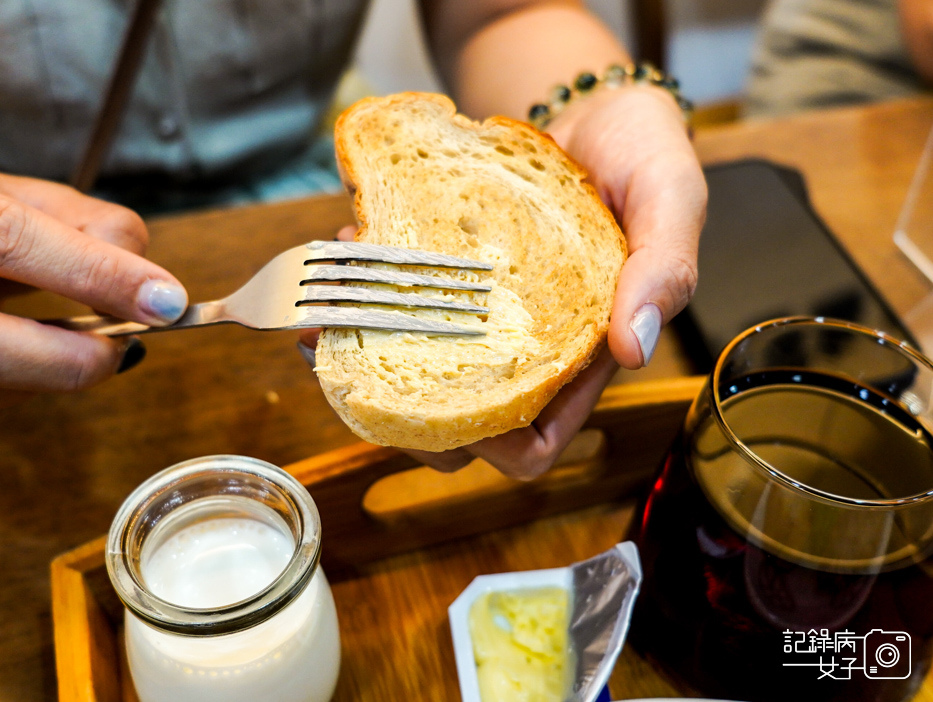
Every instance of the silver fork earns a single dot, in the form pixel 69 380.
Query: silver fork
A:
pixel 282 294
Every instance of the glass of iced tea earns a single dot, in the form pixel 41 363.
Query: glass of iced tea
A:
pixel 787 542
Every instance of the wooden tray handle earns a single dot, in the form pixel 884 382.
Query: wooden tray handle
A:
pixel 376 501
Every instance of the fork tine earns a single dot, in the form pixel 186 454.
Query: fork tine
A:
pixel 324 272
pixel 357 318
pixel 341 293
pixel 360 251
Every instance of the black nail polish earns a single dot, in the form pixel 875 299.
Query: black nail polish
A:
pixel 134 353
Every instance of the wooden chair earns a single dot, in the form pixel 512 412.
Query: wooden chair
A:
pixel 651 31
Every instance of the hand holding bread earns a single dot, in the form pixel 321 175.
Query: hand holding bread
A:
pixel 636 148
pixel 499 192
pixel 641 162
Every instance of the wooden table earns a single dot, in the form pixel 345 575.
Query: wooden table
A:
pixel 69 461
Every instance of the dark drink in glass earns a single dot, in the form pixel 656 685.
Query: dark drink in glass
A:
pixel 786 543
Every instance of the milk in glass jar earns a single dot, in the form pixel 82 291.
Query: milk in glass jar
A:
pixel 216 560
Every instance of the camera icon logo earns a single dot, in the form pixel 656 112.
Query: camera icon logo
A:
pixel 887 655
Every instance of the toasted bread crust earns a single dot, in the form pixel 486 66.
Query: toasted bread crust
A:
pixel 426 177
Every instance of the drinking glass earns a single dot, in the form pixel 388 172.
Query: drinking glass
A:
pixel 786 542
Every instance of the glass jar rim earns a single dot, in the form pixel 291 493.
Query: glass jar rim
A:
pixel 881 337
pixel 123 562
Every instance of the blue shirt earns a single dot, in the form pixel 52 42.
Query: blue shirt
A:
pixel 226 88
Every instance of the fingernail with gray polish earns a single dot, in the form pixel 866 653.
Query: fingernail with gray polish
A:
pixel 646 323
pixel 134 352
pixel 165 301
pixel 307 353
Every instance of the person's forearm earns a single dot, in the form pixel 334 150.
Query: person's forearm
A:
pixel 506 64
pixel 917 26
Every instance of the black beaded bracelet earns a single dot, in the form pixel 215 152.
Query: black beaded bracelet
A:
pixel 615 76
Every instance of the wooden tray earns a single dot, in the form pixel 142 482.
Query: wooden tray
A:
pixel 376 502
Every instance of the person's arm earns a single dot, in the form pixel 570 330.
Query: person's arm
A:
pixel 56 239
pixel 916 18
pixel 501 57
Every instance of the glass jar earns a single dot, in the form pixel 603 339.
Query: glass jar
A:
pixel 216 560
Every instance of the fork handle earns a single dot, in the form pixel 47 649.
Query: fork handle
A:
pixel 198 315
pixel 100 324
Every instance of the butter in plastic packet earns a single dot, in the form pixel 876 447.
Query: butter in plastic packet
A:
pixel 602 592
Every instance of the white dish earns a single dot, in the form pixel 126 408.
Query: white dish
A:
pixel 459 615
pixel 459 612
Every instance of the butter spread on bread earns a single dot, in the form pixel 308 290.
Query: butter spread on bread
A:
pixel 425 177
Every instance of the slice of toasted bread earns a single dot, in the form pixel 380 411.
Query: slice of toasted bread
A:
pixel 425 177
